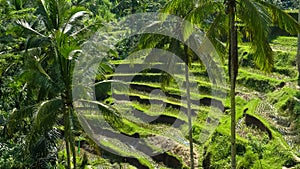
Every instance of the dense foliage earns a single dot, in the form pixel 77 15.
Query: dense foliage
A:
pixel 41 40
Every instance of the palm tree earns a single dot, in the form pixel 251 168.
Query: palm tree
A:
pixel 255 16
pixel 266 51
pixel 233 70
pixel 188 98
pixel 51 69
pixel 160 41
pixel 50 55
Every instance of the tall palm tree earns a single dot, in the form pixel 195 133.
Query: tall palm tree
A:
pixel 233 70
pixel 50 53
pixel 255 16
pixel 50 71
pixel 188 98
pixel 181 50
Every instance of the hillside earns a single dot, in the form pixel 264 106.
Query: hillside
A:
pixel 154 132
pixel 156 84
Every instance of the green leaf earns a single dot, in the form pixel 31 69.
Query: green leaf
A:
pixel 2 120
pixel 72 18
pixel 53 13
pixel 41 69
pixel 46 114
pixel 284 20
pixel 110 114
pixel 257 21
pixel 42 10
pixel 26 25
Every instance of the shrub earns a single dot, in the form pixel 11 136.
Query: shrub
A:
pixel 248 160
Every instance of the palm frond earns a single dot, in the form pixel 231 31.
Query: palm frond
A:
pixel 80 31
pixel 38 78
pixel 149 41
pixel 67 50
pixel 102 107
pixel 203 14
pixel 284 20
pixel 256 21
pixel 53 12
pixel 46 114
pixel 26 25
pixel 16 116
pixel 42 10
pixel 110 114
pixel 178 7
pixel 109 82
pixel 44 118
pixel 103 69
pixel 35 42
pixel 74 14
pixel 41 70
pixel 217 31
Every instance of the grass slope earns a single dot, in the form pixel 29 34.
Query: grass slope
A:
pixel 266 96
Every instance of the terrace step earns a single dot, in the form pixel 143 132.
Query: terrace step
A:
pixel 107 152
pixel 142 67
pixel 161 119
pixel 137 144
pixel 203 89
pixel 201 102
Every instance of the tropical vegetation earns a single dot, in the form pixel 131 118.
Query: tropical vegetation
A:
pixel 157 119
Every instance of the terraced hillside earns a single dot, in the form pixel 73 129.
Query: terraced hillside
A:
pixel 153 132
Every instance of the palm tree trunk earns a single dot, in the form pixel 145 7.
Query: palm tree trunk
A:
pixel 65 97
pixel 187 82
pixel 298 51
pixel 233 68
pixel 70 109
pixel 72 144
pixel 66 133
pixel 65 68
pixel 73 150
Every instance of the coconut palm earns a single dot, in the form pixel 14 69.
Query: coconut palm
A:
pixel 233 70
pixel 186 54
pixel 217 18
pixel 51 50
pixel 50 70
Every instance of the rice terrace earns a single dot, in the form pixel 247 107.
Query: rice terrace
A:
pixel 151 84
